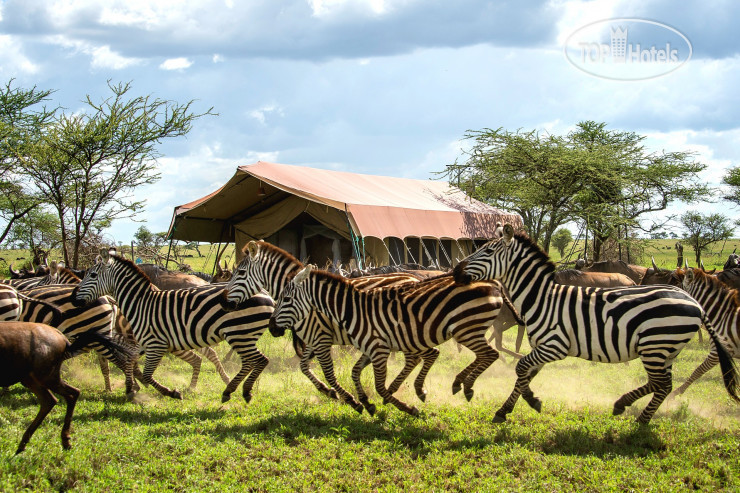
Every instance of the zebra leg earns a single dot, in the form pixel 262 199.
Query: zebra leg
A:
pixel 380 362
pixel 210 353
pixel 323 354
pixel 154 355
pixel 526 369
pixel 361 395
pixel 429 356
pixel 410 362
pixel 105 370
pixel 659 384
pixel 258 363
pixel 485 355
pixel 193 360
pixel 710 362
pixel 308 354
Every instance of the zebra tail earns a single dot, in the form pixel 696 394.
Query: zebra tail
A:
pixel 726 363
pixel 121 351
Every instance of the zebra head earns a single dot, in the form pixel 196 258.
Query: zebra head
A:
pixel 247 279
pixel 97 282
pixel 488 262
pixel 292 306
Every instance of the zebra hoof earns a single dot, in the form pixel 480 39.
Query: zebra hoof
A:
pixel 247 398
pixel 617 410
pixel 535 404
pixel 332 394
pixel 497 418
pixel 370 408
pixel 422 395
pixel 358 407
pixel 130 396
pixel 469 394
pixel 175 394
pixel 225 397
pixel 413 411
pixel 456 387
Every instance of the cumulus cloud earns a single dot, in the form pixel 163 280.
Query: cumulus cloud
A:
pixel 12 58
pixel 297 29
pixel 180 63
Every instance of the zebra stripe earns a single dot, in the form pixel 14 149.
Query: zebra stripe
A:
pixel 10 303
pixel 182 319
pixel 412 318
pixel 722 305
pixel 611 325
pixel 269 267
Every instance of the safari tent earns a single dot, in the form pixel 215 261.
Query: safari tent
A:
pixel 325 216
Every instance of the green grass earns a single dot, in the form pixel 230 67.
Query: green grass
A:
pixel 291 438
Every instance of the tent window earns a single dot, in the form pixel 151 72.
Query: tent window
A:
pixel 430 250
pixel 397 250
pixel 414 246
pixel 447 246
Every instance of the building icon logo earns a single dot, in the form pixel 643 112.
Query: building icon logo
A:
pixel 619 44
pixel 627 49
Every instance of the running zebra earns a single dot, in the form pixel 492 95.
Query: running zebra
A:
pixel 412 318
pixel 182 319
pixel 607 325
pixel 269 267
pixel 722 305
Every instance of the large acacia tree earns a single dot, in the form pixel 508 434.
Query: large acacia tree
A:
pixel 602 178
pixel 87 164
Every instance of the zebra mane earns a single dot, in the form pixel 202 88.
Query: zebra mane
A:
pixel 274 251
pixel 539 253
pixel 132 266
pixel 68 272
pixel 717 286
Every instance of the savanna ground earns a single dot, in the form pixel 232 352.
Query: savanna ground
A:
pixel 290 438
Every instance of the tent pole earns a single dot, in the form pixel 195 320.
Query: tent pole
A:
pixel 167 261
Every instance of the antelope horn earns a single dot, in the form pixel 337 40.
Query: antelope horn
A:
pixel 654 265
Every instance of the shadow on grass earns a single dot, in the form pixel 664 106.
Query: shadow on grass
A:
pixel 419 436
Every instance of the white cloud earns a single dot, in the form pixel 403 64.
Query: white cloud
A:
pixel 261 114
pixel 217 58
pixel 100 56
pixel 180 63
pixel 12 59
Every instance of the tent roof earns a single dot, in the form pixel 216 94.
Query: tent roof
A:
pixel 378 206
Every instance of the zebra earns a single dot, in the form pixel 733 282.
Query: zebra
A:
pixel 181 319
pixel 98 316
pixel 269 267
pixel 411 318
pixel 10 303
pixel 610 325
pixel 722 305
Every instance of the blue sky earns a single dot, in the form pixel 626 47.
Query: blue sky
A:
pixel 371 86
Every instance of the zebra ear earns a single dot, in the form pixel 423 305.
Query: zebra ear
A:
pixel 104 254
pixel 253 249
pixel 508 233
pixel 689 275
pixel 303 274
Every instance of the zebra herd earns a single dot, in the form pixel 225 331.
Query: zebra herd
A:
pixel 394 312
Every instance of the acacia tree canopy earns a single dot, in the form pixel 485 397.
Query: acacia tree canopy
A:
pixel 595 176
pixel 703 230
pixel 88 164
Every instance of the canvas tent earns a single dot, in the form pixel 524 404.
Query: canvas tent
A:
pixel 314 213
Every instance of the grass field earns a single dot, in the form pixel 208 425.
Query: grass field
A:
pixel 290 438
